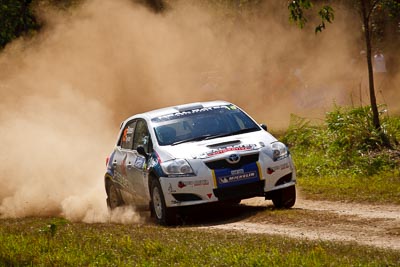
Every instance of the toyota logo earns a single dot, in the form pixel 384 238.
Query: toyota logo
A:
pixel 233 158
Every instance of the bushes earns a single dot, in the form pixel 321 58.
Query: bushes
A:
pixel 16 18
pixel 346 144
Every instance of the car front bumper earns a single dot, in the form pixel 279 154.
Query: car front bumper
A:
pixel 211 185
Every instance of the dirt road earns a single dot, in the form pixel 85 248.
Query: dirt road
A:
pixel 373 225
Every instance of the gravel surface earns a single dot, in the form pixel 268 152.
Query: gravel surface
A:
pixel 373 225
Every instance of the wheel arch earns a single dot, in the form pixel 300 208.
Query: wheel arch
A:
pixel 107 180
pixel 152 176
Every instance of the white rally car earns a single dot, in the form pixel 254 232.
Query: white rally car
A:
pixel 195 154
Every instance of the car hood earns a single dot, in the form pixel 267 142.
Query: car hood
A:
pixel 216 147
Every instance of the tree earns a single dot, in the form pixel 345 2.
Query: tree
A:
pixel 16 19
pixel 156 5
pixel 366 8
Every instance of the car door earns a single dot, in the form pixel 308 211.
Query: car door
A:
pixel 136 164
pixel 120 158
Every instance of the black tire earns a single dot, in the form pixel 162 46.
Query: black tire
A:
pixel 114 198
pixel 284 198
pixel 162 214
pixel 232 202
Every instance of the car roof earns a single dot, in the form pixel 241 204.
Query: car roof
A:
pixel 179 108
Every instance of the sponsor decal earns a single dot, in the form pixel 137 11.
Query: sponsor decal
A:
pixel 232 107
pixel 127 135
pixel 222 150
pixel 239 171
pixel 110 167
pixel 182 184
pixel 139 162
pixel 123 165
pixel 170 190
pixel 284 166
pixel 235 178
pixel 190 112
pixel 231 177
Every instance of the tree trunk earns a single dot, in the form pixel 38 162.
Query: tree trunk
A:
pixel 366 9
pixel 367 35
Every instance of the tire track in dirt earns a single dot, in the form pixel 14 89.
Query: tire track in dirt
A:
pixel 372 225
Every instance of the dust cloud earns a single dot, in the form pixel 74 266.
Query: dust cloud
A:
pixel 65 91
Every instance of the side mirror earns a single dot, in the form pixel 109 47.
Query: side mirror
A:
pixel 141 151
pixel 264 127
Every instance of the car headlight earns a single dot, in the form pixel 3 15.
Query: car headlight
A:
pixel 176 167
pixel 279 151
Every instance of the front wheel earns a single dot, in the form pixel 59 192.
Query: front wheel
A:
pixel 284 198
pixel 163 215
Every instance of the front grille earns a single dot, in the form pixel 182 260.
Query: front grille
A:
pixel 223 164
pixel 240 191
pixel 186 197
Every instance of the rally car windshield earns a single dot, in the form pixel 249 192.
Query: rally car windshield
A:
pixel 201 124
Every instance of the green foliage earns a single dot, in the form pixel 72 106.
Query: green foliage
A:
pixel 297 15
pixel 61 4
pixel 16 19
pixel 296 9
pixel 344 158
pixel 327 14
pixel 78 244
pixel 352 130
pixel 347 144
pixel 391 127
pixel 393 8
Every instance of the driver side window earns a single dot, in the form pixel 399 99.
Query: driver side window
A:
pixel 127 135
pixel 142 136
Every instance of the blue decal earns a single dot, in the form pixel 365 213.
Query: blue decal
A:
pixel 154 164
pixel 230 177
pixel 139 162
pixel 110 169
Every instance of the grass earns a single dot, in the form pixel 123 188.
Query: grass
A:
pixel 383 188
pixel 57 242
pixel 344 158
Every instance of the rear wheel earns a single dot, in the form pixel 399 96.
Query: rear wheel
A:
pixel 114 199
pixel 284 198
pixel 162 214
